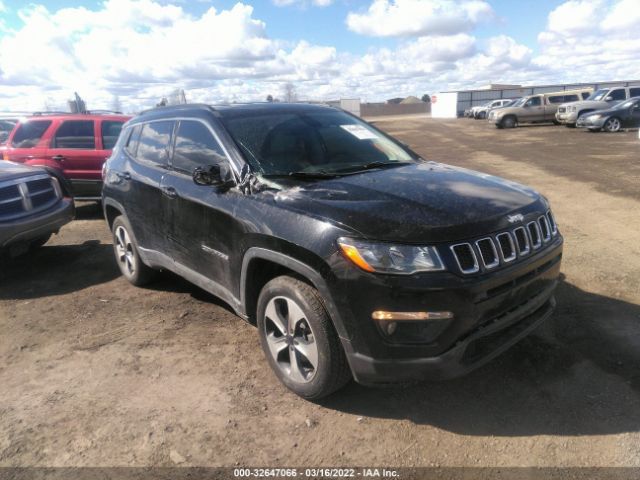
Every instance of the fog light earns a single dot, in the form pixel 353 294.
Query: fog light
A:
pixel 391 327
pixel 411 327
pixel 393 316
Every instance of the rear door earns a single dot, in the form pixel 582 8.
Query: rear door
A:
pixel 73 145
pixel 148 151
pixel 201 223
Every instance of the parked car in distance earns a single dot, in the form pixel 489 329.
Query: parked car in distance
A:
pixel 536 108
pixel 317 228
pixel 481 112
pixel 32 207
pixel 623 115
pixel 472 111
pixel 602 99
pixel 72 147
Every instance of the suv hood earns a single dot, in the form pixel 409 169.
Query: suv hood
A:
pixel 427 202
pixel 11 170
pixel 587 104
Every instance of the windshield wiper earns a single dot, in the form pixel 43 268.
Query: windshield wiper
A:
pixel 371 165
pixel 302 174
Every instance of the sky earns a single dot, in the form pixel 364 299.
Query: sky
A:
pixel 131 53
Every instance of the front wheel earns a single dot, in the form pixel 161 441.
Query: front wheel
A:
pixel 509 122
pixel 612 125
pixel 127 256
pixel 299 340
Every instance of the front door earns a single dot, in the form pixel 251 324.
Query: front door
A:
pixel 633 118
pixel 201 222
pixel 532 111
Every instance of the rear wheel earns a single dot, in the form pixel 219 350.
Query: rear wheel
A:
pixel 612 125
pixel 127 256
pixel 299 340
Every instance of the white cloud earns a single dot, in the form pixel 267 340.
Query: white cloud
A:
pixel 141 50
pixel 303 3
pixel 591 40
pixel 395 18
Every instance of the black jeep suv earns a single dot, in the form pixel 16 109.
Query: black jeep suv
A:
pixel 351 254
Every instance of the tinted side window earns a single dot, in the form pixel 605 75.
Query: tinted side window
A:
pixel 571 98
pixel 634 92
pixel 534 102
pixel 75 134
pixel 618 94
pixel 110 131
pixel 585 95
pixel 6 126
pixel 557 99
pixel 29 133
pixel 154 142
pixel 195 147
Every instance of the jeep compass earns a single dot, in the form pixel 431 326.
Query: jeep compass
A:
pixel 351 254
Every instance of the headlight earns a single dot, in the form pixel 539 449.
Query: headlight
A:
pixel 390 258
pixel 594 117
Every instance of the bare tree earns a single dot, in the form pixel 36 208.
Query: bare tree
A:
pixel 270 98
pixel 290 94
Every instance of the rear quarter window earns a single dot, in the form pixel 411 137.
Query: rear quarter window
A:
pixel 29 133
pixel 110 131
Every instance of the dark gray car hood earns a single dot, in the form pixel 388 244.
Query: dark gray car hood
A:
pixel 11 170
pixel 414 203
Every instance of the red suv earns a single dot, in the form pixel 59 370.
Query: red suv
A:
pixel 73 147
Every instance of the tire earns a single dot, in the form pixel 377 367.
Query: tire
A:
pixel 555 122
pixel 127 256
pixel 311 339
pixel 612 125
pixel 482 115
pixel 570 125
pixel 509 122
pixel 39 242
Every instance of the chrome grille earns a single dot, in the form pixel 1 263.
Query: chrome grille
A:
pixel 465 257
pixel 26 196
pixel 488 253
pixel 502 248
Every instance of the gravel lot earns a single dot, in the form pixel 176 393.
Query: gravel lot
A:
pixel 96 372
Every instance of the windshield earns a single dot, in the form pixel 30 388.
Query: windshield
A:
pixel 599 95
pixel 519 102
pixel 311 142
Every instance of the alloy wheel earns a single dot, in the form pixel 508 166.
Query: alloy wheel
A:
pixel 612 125
pixel 290 339
pixel 124 249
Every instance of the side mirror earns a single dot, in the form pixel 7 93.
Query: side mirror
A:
pixel 215 176
pixel 609 99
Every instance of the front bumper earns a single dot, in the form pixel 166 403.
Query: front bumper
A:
pixel 491 313
pixel 27 229
pixel 566 118
pixel 587 121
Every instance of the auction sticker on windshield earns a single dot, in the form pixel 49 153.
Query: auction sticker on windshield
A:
pixel 360 132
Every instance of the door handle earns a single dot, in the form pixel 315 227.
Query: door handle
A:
pixel 123 175
pixel 170 192
pixel 58 158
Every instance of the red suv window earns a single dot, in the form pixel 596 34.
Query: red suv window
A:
pixel 77 134
pixel 29 133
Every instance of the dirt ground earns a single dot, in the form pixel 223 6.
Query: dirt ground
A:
pixel 96 372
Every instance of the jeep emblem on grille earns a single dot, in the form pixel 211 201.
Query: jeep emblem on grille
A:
pixel 518 217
